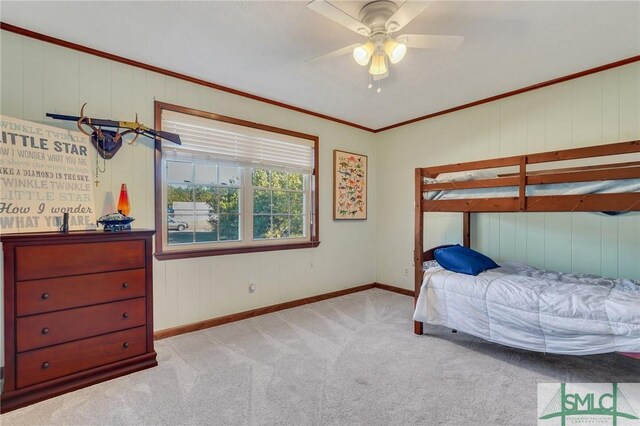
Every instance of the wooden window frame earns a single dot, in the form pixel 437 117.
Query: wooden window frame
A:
pixel 162 254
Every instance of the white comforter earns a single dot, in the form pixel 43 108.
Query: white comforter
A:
pixel 572 188
pixel 523 307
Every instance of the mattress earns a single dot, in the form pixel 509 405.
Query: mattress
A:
pixel 572 188
pixel 520 306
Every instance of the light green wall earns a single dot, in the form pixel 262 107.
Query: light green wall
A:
pixel 37 77
pixel 596 109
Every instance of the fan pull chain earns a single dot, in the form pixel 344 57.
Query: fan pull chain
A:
pixel 370 86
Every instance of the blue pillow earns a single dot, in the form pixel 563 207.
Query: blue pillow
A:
pixel 464 260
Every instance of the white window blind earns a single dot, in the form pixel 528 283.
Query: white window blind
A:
pixel 235 143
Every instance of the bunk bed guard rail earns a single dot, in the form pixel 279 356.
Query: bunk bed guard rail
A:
pixel 619 202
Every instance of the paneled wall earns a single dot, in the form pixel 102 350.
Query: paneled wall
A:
pixel 37 77
pixel 596 109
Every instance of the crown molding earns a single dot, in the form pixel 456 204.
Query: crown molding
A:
pixel 515 92
pixel 91 51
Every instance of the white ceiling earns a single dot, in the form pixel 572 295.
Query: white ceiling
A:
pixel 261 47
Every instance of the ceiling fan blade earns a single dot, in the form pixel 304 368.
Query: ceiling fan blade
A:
pixel 328 10
pixel 422 41
pixel 335 53
pixel 404 15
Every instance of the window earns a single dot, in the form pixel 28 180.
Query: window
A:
pixel 232 186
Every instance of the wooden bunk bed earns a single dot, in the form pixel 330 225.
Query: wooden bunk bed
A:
pixel 521 184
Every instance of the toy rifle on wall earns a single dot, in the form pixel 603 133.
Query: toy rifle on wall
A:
pixel 108 142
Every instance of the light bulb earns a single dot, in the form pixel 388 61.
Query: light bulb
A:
pixel 362 53
pixel 378 90
pixel 395 50
pixel 369 86
pixel 378 65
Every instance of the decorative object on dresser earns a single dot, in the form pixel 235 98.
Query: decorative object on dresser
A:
pixel 349 186
pixel 124 206
pixel 115 222
pixel 45 172
pixel 78 310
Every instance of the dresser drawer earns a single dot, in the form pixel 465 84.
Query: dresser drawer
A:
pixel 61 360
pixel 49 261
pixel 37 331
pixel 38 296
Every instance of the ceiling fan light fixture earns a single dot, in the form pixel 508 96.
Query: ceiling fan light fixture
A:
pixel 362 53
pixel 378 65
pixel 395 50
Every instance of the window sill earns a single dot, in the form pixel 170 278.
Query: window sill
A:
pixel 186 254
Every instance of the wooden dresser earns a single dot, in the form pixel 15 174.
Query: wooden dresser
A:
pixel 78 309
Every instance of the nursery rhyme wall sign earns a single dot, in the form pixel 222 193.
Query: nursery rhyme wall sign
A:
pixel 349 186
pixel 44 172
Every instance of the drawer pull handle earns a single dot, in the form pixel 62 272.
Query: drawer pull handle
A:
pixel 44 296
pixel 125 345
pixel 125 315
pixel 125 285
pixel 45 330
pixel 45 365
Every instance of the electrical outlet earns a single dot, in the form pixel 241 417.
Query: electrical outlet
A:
pixel 252 288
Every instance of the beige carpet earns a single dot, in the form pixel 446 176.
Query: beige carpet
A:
pixel 352 360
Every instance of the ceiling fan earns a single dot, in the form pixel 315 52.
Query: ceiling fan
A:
pixel 377 21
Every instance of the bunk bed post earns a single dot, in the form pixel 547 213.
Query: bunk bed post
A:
pixel 466 229
pixel 522 186
pixel 418 248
